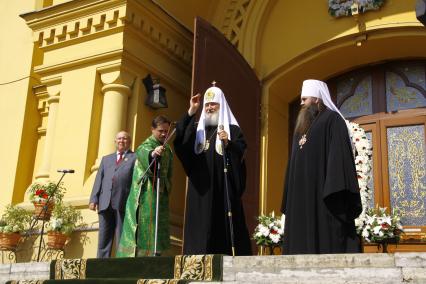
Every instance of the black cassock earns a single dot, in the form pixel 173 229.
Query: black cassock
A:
pixel 206 223
pixel 321 193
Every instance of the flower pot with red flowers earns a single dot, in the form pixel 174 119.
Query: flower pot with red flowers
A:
pixel 14 221
pixel 44 194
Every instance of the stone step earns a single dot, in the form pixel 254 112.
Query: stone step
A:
pixel 398 268
pixel 336 268
pixel 21 271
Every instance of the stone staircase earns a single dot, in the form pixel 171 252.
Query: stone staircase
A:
pixel 312 269
pixel 325 269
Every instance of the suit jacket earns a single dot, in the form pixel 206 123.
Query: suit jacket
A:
pixel 112 183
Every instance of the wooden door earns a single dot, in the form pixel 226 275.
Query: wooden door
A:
pixel 216 59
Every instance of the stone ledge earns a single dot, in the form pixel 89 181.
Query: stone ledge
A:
pixel 4 270
pixel 378 275
pixel 410 259
pixel 30 267
pixel 24 271
pixel 414 274
pixel 312 261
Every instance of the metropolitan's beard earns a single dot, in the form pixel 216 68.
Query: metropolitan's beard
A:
pixel 211 119
pixel 306 116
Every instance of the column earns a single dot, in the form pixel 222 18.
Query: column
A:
pixel 114 112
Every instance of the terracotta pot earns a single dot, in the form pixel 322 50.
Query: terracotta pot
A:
pixel 43 214
pixel 56 240
pixel 9 241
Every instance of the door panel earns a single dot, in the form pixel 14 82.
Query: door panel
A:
pixel 404 179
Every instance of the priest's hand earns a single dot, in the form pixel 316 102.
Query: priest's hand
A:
pixel 223 136
pixel 158 151
pixel 194 104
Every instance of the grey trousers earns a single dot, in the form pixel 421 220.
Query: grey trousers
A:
pixel 110 226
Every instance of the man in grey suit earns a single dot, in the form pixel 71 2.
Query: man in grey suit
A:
pixel 110 192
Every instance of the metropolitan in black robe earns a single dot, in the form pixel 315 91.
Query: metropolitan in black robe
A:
pixel 206 228
pixel 321 193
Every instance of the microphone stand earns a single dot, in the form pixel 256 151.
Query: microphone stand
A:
pixel 43 211
pixel 228 201
pixel 157 201
pixel 157 204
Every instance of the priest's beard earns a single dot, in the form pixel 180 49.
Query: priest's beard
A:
pixel 306 117
pixel 211 119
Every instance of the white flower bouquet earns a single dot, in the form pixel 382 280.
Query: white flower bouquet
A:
pixel 379 226
pixel 270 230
pixel 65 219
pixel 362 153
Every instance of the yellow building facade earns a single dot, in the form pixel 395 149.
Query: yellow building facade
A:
pixel 71 77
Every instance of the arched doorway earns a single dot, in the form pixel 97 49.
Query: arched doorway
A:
pixel 389 101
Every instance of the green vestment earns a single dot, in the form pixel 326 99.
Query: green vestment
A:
pixel 137 237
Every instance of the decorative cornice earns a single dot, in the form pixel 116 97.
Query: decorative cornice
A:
pixel 41 94
pixel 74 20
pixel 141 22
pixel 114 55
pixel 46 93
pixel 149 23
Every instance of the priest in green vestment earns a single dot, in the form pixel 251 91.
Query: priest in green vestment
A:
pixel 138 236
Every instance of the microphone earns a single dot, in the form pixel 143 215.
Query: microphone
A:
pixel 66 171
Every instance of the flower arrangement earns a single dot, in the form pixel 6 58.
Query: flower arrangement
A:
pixel 39 192
pixel 270 230
pixel 14 220
pixel 379 226
pixel 338 8
pixel 65 219
pixel 362 154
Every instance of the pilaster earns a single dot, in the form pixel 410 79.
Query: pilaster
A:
pixel 50 99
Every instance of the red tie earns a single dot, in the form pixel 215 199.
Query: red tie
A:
pixel 120 158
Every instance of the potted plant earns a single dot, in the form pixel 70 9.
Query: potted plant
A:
pixel 269 232
pixel 64 220
pixel 13 222
pixel 43 194
pixel 380 227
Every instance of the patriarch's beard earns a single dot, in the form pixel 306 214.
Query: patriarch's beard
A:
pixel 211 119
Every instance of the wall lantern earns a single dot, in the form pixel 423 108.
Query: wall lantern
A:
pixel 156 95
